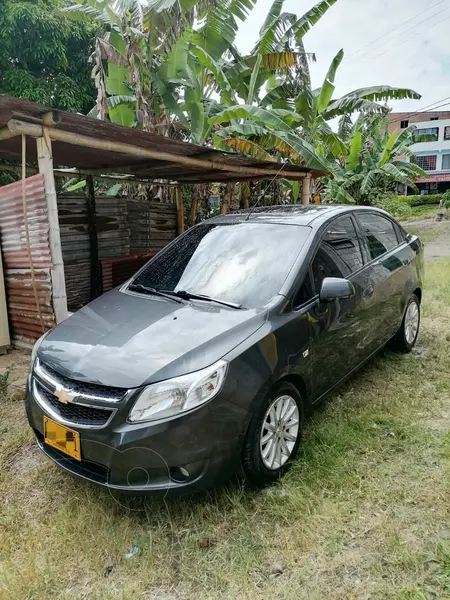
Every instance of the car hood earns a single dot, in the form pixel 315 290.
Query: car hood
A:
pixel 128 340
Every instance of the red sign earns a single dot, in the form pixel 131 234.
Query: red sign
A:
pixel 434 178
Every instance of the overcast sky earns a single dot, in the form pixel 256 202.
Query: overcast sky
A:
pixel 414 53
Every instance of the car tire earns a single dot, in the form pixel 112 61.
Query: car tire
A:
pixel 273 436
pixel 406 337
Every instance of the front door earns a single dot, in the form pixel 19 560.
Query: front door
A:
pixel 341 330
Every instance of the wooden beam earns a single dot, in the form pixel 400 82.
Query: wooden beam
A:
pixel 180 210
pixel 85 141
pixel 45 160
pixel 96 280
pixel 81 173
pixel 306 186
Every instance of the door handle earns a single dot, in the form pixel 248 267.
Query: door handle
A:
pixel 368 292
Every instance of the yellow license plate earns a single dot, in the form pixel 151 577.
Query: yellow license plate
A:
pixel 62 438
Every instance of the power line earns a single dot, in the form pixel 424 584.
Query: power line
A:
pixel 404 41
pixel 395 28
pixel 420 112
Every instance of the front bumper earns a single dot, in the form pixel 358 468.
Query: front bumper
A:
pixel 186 454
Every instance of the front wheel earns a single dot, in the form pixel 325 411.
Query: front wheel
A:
pixel 274 435
pixel 406 337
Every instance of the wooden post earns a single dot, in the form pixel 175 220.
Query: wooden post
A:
pixel 180 211
pixel 194 205
pixel 45 161
pixel 306 189
pixel 96 283
pixel 226 199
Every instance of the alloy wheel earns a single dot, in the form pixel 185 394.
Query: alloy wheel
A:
pixel 279 432
pixel 411 322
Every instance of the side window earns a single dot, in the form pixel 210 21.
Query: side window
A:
pixel 342 237
pixel 379 232
pixel 327 263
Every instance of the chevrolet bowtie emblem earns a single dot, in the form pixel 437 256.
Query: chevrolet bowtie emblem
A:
pixel 65 396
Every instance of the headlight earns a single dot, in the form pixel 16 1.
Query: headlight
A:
pixel 36 346
pixel 175 396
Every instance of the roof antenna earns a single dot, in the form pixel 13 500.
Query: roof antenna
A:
pixel 263 193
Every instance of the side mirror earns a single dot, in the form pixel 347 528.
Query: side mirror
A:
pixel 334 288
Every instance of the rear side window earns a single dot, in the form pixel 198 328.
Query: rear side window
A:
pixel 379 232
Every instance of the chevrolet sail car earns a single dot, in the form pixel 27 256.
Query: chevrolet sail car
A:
pixel 207 361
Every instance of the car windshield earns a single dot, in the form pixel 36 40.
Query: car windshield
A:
pixel 245 263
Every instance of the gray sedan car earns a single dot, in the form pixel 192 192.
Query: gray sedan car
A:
pixel 207 361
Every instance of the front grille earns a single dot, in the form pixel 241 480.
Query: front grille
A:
pixel 74 402
pixel 109 394
pixel 77 414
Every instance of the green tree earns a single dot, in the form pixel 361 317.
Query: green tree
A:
pixel 44 55
pixel 373 163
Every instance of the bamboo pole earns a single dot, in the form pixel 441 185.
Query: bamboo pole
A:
pixel 226 199
pixel 306 186
pixel 45 161
pixel 194 206
pixel 6 133
pixel 34 130
pixel 180 211
pixel 81 173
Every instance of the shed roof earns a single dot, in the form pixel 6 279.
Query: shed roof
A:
pixel 97 146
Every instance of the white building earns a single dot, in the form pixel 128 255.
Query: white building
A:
pixel 433 156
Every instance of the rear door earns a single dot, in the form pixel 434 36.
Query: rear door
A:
pixel 389 271
pixel 341 331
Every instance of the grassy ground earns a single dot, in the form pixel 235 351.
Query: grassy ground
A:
pixel 423 212
pixel 364 513
pixel 426 234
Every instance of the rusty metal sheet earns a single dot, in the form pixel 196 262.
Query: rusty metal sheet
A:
pixel 25 324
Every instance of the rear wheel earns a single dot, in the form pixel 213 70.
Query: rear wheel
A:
pixel 274 435
pixel 406 337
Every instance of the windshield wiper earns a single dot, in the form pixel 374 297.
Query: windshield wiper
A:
pixel 138 287
pixel 190 296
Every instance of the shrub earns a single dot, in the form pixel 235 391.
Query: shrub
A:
pixel 446 198
pixel 433 199
pixel 395 206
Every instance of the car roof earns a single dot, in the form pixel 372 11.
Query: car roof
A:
pixel 312 215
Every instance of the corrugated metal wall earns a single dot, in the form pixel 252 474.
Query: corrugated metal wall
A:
pixel 125 228
pixel 25 324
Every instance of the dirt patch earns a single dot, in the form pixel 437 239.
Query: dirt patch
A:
pixel 440 246
pixel 16 364
pixel 25 459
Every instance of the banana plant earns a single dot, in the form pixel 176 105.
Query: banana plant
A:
pixel 374 163
pixel 311 139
